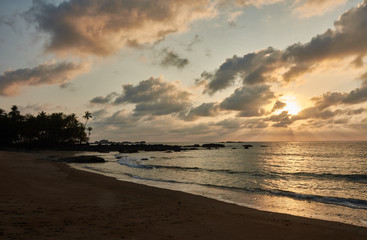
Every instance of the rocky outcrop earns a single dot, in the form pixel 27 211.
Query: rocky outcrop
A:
pixel 82 159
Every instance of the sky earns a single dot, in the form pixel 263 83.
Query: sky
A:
pixel 190 70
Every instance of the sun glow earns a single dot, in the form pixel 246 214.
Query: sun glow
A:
pixel 292 106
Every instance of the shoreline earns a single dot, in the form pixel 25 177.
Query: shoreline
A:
pixel 45 199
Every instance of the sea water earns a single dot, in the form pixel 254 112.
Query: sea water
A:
pixel 324 180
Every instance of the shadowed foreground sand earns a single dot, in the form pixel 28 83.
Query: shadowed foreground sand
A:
pixel 47 200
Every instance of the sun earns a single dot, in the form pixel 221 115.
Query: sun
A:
pixel 291 105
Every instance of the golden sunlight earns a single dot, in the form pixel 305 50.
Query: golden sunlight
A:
pixel 292 106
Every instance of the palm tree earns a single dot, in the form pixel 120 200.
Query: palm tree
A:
pixel 87 116
pixel 89 129
pixel 14 113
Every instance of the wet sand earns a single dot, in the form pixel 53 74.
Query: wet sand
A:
pixel 49 200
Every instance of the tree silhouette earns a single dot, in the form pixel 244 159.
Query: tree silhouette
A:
pixel 87 116
pixel 89 129
pixel 41 130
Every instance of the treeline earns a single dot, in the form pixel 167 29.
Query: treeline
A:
pixel 41 130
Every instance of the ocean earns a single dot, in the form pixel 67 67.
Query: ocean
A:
pixel 323 180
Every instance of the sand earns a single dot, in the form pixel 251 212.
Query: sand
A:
pixel 48 200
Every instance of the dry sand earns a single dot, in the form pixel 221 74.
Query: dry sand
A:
pixel 47 200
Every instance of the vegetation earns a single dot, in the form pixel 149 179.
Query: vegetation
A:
pixel 41 130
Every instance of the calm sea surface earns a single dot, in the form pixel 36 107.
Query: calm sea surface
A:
pixel 325 180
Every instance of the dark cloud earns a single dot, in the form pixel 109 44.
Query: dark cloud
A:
pixel 104 100
pixel 251 68
pixel 348 39
pixel 68 86
pixel 282 120
pixel 170 58
pixel 99 114
pixel 232 123
pixel 204 110
pixel 45 74
pixel 278 105
pixel 151 97
pixel 248 101
pixel 255 123
pixel 101 27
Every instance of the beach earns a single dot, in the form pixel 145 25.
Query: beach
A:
pixel 41 199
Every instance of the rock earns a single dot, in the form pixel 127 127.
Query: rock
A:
pixel 213 145
pixel 83 159
pixel 247 146
pixel 127 150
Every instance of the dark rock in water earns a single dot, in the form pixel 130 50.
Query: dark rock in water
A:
pixel 103 151
pixel 127 150
pixel 213 145
pixel 247 146
pixel 264 146
pixel 83 159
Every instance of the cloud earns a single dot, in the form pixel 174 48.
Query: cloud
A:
pixel 232 123
pixel 197 129
pixel 282 120
pixel 249 101
pixel 251 68
pixel 171 58
pixel 68 86
pixel 254 123
pixel 348 39
pixel 154 97
pixel 310 8
pixel 8 21
pixel 232 18
pixel 204 110
pixel 102 27
pixel 278 105
pixel 104 100
pixel 243 3
pixel 197 39
pixel 99 114
pixel 45 74
pixel 322 108
pixel 120 118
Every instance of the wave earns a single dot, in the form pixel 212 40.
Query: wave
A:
pixel 348 177
pixel 345 202
pixel 137 163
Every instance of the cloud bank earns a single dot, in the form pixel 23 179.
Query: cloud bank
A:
pixel 45 74
pixel 102 27
pixel 348 39
pixel 152 97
